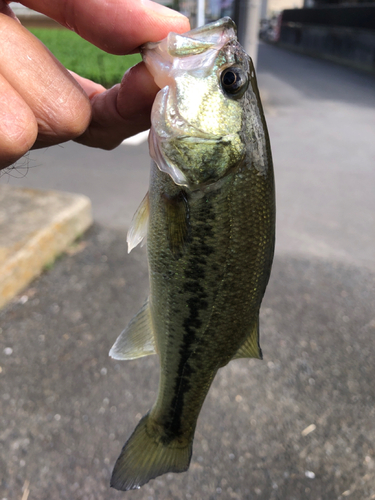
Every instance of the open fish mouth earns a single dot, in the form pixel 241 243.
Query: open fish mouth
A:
pixel 190 139
pixel 166 57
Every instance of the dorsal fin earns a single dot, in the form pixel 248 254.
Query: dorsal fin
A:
pixel 137 339
pixel 251 348
pixel 139 225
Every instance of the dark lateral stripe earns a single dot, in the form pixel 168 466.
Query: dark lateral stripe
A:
pixel 194 275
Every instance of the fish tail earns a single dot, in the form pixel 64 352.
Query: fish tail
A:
pixel 145 456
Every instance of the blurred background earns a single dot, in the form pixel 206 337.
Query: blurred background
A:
pixel 300 424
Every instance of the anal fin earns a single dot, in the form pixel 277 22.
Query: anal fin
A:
pixel 137 339
pixel 251 348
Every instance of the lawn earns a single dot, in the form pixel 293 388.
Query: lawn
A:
pixel 83 58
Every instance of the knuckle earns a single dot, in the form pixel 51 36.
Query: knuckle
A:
pixel 73 117
pixel 16 137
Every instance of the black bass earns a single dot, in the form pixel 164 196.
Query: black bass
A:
pixel 209 217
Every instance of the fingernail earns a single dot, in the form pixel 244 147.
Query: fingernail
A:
pixel 161 9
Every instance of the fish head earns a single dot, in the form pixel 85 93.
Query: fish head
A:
pixel 197 132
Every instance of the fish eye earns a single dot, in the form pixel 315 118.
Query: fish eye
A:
pixel 233 80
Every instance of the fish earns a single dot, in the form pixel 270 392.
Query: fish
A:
pixel 209 220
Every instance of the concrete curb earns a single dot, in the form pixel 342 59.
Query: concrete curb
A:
pixel 35 227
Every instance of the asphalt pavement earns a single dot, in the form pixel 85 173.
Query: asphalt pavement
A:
pixel 298 425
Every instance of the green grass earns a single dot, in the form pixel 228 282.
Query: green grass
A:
pixel 83 58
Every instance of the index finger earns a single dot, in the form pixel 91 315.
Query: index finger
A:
pixel 116 26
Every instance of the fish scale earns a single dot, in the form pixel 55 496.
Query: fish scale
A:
pixel 210 239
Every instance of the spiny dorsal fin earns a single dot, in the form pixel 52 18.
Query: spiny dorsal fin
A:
pixel 177 211
pixel 251 348
pixel 139 225
pixel 137 339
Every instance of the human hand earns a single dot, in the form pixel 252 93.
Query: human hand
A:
pixel 41 103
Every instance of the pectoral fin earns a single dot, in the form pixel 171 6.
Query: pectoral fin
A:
pixel 139 225
pixel 137 339
pixel 177 215
pixel 251 348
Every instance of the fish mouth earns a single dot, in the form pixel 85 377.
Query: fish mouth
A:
pixel 177 142
pixel 184 52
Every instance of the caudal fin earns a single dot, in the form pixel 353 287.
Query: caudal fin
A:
pixel 144 457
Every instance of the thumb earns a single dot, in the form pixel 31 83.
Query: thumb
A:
pixel 120 112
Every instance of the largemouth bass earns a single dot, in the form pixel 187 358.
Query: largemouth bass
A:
pixel 209 217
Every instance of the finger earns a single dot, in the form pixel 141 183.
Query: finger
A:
pixel 60 106
pixel 5 9
pixel 18 126
pixel 122 111
pixel 91 88
pixel 116 26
